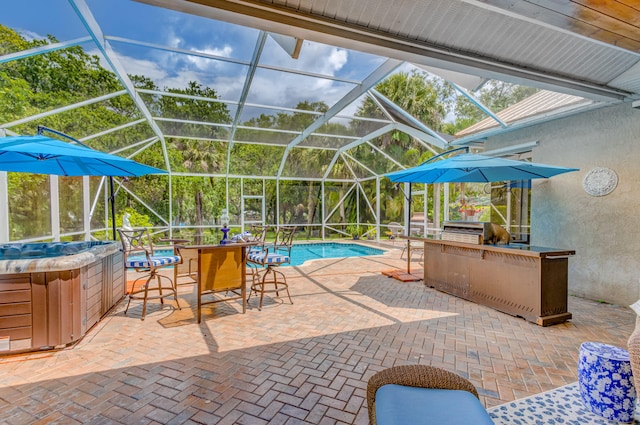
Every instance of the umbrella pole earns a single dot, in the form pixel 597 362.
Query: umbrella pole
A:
pixel 407 226
pixel 113 208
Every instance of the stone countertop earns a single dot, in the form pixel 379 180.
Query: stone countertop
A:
pixel 513 248
pixel 54 264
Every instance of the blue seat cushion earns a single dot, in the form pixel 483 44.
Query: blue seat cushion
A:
pixel 402 405
pixel 142 262
pixel 271 258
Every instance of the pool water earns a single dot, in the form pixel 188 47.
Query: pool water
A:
pixel 314 251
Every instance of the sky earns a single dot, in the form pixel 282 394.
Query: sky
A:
pixel 137 21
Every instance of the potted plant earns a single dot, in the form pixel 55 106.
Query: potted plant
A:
pixel 355 231
pixel 469 211
pixel 371 232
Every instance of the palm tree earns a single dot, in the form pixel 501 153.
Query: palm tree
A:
pixel 204 154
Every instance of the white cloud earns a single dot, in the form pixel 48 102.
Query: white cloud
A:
pixel 229 88
pixel 206 63
pixel 143 67
pixel 170 37
pixel 337 58
pixel 174 41
pixel 272 88
pixel 314 57
pixel 288 89
pixel 179 80
pixel 31 36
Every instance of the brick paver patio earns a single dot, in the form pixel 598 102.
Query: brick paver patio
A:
pixel 292 364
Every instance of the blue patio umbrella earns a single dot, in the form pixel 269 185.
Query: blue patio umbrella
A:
pixel 473 168
pixel 43 155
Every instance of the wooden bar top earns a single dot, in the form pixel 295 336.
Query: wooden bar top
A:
pixel 218 246
pixel 513 249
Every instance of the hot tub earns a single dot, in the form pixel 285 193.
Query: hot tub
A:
pixel 51 294
pixel 27 251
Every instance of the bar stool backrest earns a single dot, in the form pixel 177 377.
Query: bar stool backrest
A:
pixel 136 241
pixel 258 234
pixel 284 240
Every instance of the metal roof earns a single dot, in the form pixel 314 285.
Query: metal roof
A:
pixel 542 102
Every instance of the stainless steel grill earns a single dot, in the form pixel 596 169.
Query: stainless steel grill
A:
pixel 474 232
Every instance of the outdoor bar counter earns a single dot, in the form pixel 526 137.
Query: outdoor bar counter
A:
pixel 220 269
pixel 521 280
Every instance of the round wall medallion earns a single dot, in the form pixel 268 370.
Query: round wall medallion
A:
pixel 600 181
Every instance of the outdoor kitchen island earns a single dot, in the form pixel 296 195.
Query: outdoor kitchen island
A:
pixel 521 280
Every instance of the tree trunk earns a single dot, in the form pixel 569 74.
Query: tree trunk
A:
pixel 311 209
pixel 341 192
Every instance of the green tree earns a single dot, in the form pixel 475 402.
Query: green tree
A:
pixel 200 150
pixel 425 98
pixel 42 82
pixel 496 95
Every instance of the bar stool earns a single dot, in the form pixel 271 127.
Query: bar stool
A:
pixel 606 382
pixel 269 257
pixel 139 255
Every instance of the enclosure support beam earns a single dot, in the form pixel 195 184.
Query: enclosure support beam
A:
pixel 55 207
pixel 322 214
pixel 4 207
pixel 478 104
pixel 351 145
pixel 509 201
pixel 407 222
pixel 257 52
pixel 43 49
pixel 277 203
pixel 410 118
pixel 86 207
pixel 437 211
pixel 62 109
pixel 446 202
pixel 95 31
pixel 378 209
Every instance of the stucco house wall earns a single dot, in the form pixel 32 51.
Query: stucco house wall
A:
pixel 605 230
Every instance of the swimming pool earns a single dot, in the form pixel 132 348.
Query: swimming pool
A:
pixel 314 251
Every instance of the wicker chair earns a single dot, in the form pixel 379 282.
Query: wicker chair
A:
pixel 420 376
pixel 633 346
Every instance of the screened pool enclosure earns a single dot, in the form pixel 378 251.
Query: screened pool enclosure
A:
pixel 274 129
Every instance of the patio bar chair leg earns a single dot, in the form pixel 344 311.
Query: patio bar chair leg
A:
pixel 160 295
pixel 261 285
pixel 174 289
pixel 131 294
pixel 144 300
pixel 160 289
pixel 286 286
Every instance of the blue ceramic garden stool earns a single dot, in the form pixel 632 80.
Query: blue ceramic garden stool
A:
pixel 606 382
